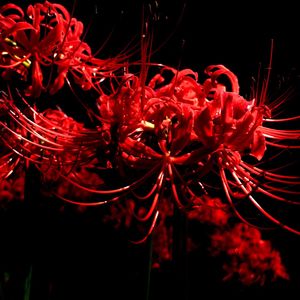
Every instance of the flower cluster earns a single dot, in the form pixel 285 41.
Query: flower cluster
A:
pixel 47 39
pixel 251 258
pixel 162 133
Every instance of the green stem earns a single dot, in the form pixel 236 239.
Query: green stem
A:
pixel 27 286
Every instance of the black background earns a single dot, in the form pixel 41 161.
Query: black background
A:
pixel 86 260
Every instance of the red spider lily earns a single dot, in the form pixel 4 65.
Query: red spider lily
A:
pixel 234 128
pixel 229 128
pixel 169 117
pixel 169 137
pixel 251 258
pixel 178 141
pixel 62 149
pixel 181 131
pixel 153 136
pixel 51 140
pixel 166 118
pixel 48 37
pixel 163 128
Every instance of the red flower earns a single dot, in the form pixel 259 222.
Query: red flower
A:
pixel 251 259
pixel 210 210
pixel 48 37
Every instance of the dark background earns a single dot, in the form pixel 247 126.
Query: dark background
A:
pixel 85 259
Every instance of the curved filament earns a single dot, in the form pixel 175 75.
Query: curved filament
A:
pixel 142 240
pixel 265 213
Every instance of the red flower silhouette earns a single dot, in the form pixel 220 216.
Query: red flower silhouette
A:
pixel 251 258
